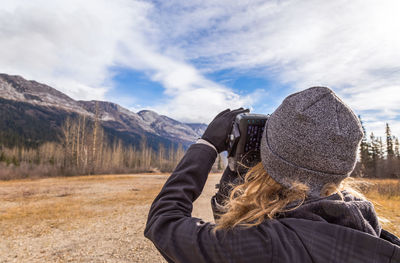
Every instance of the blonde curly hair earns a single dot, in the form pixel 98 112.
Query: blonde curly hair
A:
pixel 260 197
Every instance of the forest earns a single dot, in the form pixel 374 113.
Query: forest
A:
pixel 378 158
pixel 83 149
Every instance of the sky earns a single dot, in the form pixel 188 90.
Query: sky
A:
pixel 190 60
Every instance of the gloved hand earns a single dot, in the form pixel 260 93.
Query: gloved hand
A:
pixel 218 130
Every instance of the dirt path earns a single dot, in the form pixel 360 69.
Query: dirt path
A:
pixel 83 219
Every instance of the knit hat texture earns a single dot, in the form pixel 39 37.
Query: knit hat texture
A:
pixel 311 138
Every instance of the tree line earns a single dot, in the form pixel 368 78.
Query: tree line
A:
pixel 378 158
pixel 84 148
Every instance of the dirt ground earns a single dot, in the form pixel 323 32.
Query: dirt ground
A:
pixel 101 218
pixel 83 219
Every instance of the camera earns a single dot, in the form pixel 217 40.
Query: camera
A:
pixel 245 140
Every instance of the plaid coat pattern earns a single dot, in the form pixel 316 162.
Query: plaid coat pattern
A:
pixel 179 237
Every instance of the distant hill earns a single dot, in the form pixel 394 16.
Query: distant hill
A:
pixel 32 113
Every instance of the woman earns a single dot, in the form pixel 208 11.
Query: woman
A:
pixel 288 208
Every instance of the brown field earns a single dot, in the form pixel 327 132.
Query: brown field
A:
pixel 385 195
pixel 83 219
pixel 102 218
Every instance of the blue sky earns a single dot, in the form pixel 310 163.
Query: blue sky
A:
pixel 135 90
pixel 191 59
pixel 272 91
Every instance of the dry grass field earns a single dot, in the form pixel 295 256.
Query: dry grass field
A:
pixel 83 219
pixel 385 195
pixel 102 218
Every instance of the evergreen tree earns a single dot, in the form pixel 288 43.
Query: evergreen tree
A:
pixel 380 150
pixel 365 154
pixel 389 142
pixel 374 153
pixel 396 147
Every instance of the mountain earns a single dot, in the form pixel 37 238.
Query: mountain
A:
pixel 32 113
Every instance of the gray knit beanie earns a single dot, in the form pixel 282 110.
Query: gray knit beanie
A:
pixel 312 138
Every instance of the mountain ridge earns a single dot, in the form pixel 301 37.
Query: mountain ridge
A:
pixel 114 118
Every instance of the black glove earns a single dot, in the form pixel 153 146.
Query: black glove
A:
pixel 218 130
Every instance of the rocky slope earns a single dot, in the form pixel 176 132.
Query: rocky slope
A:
pixel 30 102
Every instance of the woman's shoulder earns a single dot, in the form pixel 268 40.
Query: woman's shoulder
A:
pixel 343 209
pixel 336 243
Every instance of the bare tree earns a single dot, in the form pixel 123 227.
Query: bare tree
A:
pixel 66 131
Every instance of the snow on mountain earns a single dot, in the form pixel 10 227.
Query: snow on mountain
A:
pixel 18 89
pixel 165 126
pixel 112 115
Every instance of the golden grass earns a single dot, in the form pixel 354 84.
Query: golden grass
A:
pixel 37 207
pixel 385 195
pixel 81 178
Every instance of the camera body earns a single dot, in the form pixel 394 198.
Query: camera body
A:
pixel 245 140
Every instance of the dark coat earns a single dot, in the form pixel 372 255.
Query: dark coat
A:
pixel 307 236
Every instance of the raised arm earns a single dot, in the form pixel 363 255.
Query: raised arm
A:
pixel 178 236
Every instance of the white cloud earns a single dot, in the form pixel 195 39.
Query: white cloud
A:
pixel 189 96
pixel 72 45
pixel 350 46
pixel 67 44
